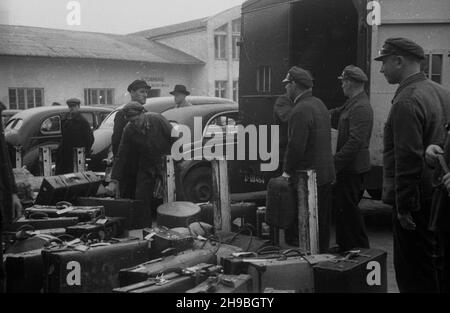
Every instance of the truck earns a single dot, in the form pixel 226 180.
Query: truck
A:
pixel 323 36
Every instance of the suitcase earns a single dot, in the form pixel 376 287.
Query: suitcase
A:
pixel 102 229
pixel 289 271
pixel 281 203
pixel 237 263
pixel 163 238
pixel 174 282
pixel 138 216
pixel 359 272
pixel 244 210
pixel 75 269
pixel 24 272
pixel 177 214
pixel 141 272
pixel 42 223
pixel 67 187
pixel 84 214
pixel 225 284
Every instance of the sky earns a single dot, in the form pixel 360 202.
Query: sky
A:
pixel 108 16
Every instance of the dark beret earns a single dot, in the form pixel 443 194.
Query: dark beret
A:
pixel 132 109
pixel 73 101
pixel 300 76
pixel 137 84
pixel 354 73
pixel 401 46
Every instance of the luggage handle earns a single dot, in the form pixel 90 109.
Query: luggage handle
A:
pixel 268 250
pixel 38 216
pixel 63 204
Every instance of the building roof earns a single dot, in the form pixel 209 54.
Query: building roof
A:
pixel 197 24
pixel 47 42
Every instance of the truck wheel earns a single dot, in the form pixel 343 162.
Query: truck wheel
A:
pixel 375 194
pixel 197 185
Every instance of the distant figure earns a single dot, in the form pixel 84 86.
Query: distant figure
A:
pixel 56 103
pixel 180 93
pixel 76 133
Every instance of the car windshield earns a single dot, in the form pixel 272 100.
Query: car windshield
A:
pixel 108 122
pixel 14 124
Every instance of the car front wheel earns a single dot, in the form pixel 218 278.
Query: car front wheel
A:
pixel 197 185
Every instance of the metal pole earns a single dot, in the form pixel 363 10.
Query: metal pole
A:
pixel 308 225
pixel 221 195
pixel 79 160
pixel 45 160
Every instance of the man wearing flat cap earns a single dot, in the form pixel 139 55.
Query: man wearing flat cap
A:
pixel 180 93
pixel 309 147
pixel 354 121
pixel 148 137
pixel 415 121
pixel 138 90
pixel 76 133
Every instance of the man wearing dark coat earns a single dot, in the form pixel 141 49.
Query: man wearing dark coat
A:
pixel 76 133
pixel 415 121
pixel 148 136
pixel 309 147
pixel 281 113
pixel 10 206
pixel 138 90
pixel 354 121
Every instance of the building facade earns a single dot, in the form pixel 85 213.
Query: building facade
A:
pixel 40 66
pixel 213 40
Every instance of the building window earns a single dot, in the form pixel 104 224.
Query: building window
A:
pixel 221 88
pixel 236 27
pixel 220 42
pixel 432 66
pixel 263 79
pixel 235 90
pixel 98 96
pixel 25 98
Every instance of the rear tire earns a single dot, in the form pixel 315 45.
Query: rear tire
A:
pixel 197 185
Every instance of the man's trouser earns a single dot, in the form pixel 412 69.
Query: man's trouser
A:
pixel 145 185
pixel 350 228
pixel 324 193
pixel 444 241
pixel 416 254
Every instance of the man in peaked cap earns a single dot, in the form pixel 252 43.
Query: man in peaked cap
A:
pixel 309 147
pixel 76 133
pixel 180 93
pixel 138 90
pixel 354 121
pixel 419 110
pixel 148 137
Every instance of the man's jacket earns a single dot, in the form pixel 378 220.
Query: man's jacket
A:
pixel 415 121
pixel 354 121
pixel 309 139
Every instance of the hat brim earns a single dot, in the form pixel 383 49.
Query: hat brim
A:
pixel 381 57
pixel 187 93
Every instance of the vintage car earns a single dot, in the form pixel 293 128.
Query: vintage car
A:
pixel 37 127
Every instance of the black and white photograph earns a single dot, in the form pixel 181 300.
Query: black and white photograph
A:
pixel 188 147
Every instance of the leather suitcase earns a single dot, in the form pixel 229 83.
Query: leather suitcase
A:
pixel 358 272
pixel 141 272
pixel 163 238
pixel 24 272
pixel 103 229
pixel 281 203
pixel 84 214
pixel 75 270
pixel 225 284
pixel 289 271
pixel 174 282
pixel 135 212
pixel 67 187
pixel 244 210
pixel 42 223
